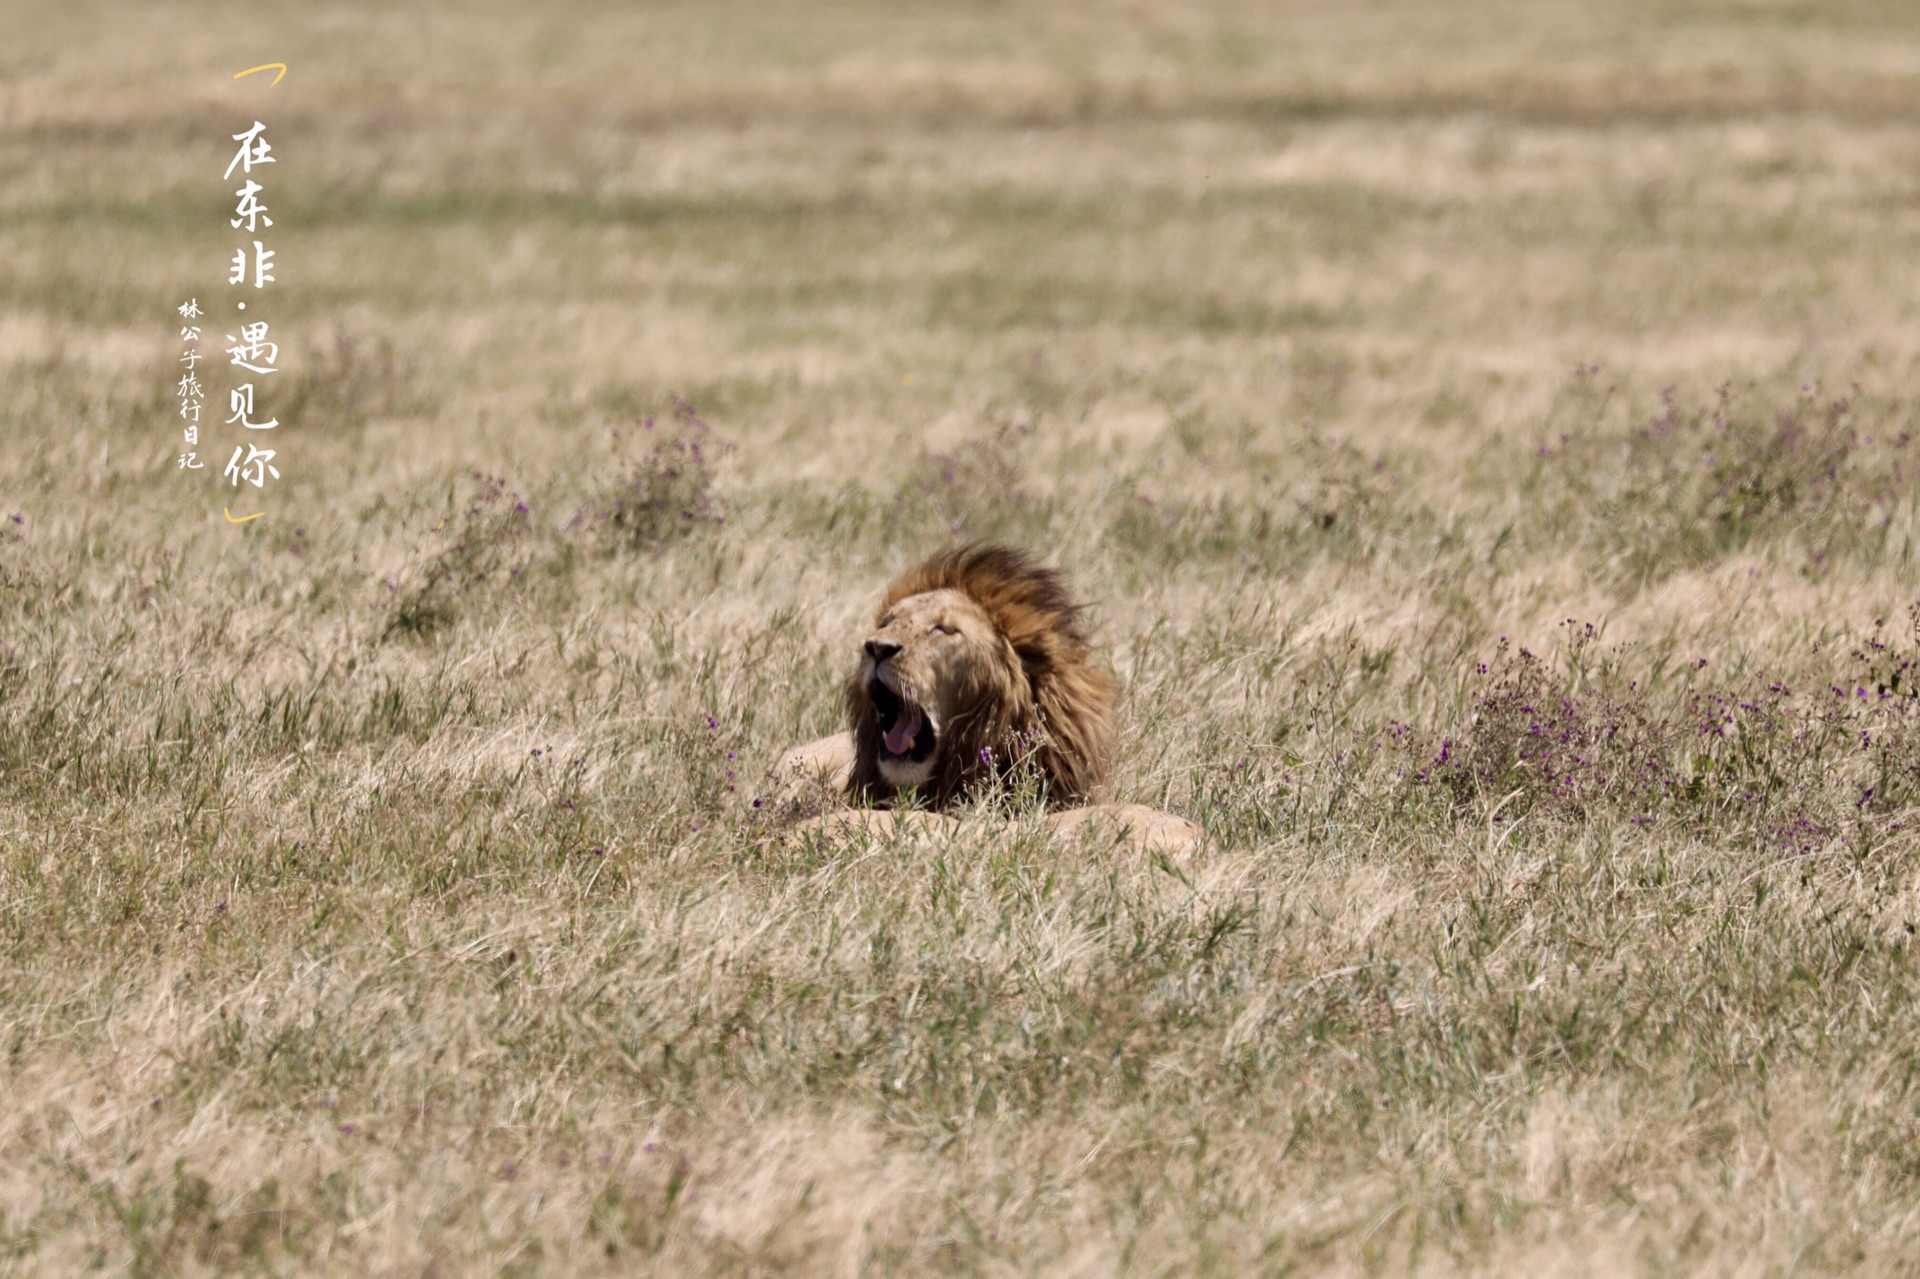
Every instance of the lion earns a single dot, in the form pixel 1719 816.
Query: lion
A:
pixel 977 674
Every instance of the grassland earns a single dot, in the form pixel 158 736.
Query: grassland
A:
pixel 1486 433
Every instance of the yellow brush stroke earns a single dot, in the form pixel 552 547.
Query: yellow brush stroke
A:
pixel 280 67
pixel 243 519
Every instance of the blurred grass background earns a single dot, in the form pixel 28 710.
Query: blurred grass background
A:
pixel 384 889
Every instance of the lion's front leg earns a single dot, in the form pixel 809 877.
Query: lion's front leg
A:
pixel 1147 828
pixel 825 765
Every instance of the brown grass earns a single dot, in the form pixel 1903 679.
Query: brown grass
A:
pixel 383 886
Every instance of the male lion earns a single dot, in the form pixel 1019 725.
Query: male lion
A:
pixel 978 668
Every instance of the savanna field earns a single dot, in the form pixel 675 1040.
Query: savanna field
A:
pixel 1486 435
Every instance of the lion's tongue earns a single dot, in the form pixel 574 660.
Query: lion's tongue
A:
pixel 905 728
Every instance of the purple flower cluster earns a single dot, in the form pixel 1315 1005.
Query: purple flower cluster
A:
pixel 484 544
pixel 974 490
pixel 1704 481
pixel 1789 768
pixel 665 486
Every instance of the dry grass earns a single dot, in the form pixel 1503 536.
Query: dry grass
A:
pixel 383 886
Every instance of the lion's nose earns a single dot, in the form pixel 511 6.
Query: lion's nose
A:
pixel 880 650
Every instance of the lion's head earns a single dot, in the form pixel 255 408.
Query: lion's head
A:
pixel 976 662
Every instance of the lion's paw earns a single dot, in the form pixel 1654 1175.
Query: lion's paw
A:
pixel 1148 828
pixel 825 763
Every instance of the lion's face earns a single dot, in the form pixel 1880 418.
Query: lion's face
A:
pixel 937 674
pixel 977 669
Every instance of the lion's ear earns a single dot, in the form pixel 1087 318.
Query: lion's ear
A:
pixel 1032 660
pixel 1043 652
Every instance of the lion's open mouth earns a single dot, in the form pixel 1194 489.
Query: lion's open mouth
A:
pixel 906 734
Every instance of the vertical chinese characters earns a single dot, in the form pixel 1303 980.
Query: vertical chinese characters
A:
pixel 190 392
pixel 251 350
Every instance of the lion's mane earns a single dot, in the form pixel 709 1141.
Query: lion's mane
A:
pixel 1050 704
